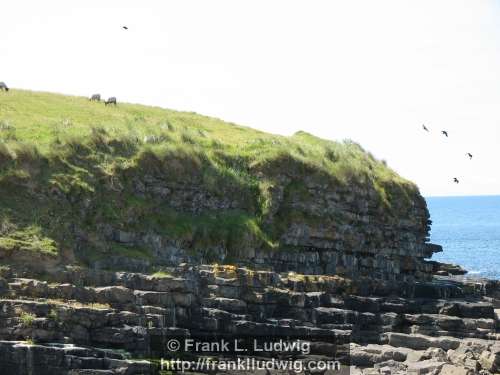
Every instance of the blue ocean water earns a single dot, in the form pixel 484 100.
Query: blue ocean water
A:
pixel 468 228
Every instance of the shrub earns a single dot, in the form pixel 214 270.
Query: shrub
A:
pixel 53 315
pixel 27 319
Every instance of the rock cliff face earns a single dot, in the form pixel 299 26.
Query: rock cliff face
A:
pixel 320 228
pixel 307 221
pixel 152 187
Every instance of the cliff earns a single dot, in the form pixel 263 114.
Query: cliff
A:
pixel 136 188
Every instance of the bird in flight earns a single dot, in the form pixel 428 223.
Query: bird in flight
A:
pixel 125 27
pixel 455 180
pixel 469 155
pixel 425 128
pixel 444 132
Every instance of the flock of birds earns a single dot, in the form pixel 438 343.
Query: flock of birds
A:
pixel 445 133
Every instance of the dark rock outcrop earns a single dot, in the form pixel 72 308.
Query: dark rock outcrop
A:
pixel 440 332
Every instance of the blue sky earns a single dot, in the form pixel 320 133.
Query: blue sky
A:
pixel 371 71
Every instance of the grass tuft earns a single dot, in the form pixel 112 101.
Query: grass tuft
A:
pixel 27 319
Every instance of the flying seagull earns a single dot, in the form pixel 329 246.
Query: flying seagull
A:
pixel 124 27
pixel 469 155
pixel 425 128
pixel 444 132
pixel 455 180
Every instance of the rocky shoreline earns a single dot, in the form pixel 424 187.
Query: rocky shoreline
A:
pixel 83 321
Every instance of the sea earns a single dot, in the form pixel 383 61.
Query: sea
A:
pixel 468 228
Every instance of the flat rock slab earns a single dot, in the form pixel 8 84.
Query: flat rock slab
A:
pixel 421 342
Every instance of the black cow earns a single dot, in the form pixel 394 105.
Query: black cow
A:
pixel 3 86
pixel 95 98
pixel 111 100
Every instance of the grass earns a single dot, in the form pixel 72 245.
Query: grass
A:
pixel 67 163
pixel 161 274
pixel 27 319
pixel 28 239
pixel 53 314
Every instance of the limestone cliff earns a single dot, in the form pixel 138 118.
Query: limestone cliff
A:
pixel 319 227
pixel 135 188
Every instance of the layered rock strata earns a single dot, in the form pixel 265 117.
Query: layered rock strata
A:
pixel 319 229
pixel 79 321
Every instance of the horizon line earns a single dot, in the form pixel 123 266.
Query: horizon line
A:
pixel 462 196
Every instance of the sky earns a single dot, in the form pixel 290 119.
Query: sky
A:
pixel 370 71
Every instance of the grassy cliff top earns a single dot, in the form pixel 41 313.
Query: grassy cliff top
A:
pixel 66 145
pixel 47 120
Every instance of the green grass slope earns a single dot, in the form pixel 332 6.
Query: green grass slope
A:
pixel 68 164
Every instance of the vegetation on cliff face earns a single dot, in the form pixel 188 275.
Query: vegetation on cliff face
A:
pixel 68 165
